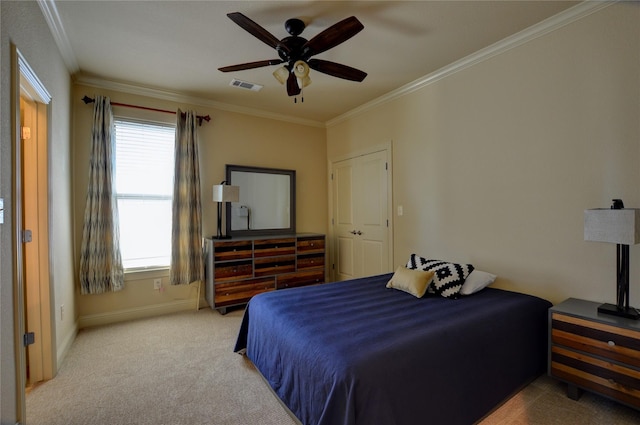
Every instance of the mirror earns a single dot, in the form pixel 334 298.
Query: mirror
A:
pixel 267 202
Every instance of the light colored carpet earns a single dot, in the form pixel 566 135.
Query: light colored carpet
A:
pixel 181 369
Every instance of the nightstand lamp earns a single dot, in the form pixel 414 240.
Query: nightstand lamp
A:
pixel 621 226
pixel 224 193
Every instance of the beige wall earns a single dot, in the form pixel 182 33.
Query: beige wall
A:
pixel 230 138
pixel 22 24
pixel 495 164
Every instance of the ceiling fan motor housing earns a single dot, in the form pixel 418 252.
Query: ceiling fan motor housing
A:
pixel 294 26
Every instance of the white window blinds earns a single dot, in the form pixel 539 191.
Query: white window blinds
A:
pixel 144 189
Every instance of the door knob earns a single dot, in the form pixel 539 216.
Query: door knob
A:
pixel 358 232
pixel 353 232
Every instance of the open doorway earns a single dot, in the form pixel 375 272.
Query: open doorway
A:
pixel 35 359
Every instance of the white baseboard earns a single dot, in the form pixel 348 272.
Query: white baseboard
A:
pixel 137 313
pixel 63 349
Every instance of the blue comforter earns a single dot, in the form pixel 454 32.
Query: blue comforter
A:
pixel 358 353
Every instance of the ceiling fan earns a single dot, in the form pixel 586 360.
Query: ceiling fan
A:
pixel 295 52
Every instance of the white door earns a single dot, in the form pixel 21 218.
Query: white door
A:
pixel 360 216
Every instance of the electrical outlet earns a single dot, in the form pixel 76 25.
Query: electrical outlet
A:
pixel 157 283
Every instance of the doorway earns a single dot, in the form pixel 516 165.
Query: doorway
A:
pixel 33 126
pixel 361 215
pixel 35 354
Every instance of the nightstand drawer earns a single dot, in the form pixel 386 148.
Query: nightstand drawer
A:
pixel 611 379
pixel 622 345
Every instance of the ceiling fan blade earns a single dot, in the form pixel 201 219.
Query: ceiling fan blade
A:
pixel 292 85
pixel 332 36
pixel 250 65
pixel 256 30
pixel 337 70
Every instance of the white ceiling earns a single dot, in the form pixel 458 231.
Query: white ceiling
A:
pixel 178 46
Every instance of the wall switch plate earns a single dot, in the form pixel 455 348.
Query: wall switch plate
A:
pixel 157 283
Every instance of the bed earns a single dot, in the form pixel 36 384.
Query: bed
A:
pixel 358 353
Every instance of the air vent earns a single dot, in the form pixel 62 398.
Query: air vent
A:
pixel 245 85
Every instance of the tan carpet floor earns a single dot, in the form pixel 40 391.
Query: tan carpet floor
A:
pixel 180 369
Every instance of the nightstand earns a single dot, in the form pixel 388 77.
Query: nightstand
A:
pixel 594 352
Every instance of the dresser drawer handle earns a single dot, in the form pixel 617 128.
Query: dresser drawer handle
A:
pixel 611 344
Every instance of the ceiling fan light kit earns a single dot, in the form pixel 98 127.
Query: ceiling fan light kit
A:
pixel 295 52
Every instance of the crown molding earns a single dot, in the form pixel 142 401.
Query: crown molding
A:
pixel 192 100
pixel 553 23
pixel 50 12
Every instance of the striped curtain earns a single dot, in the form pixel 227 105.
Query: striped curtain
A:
pixel 187 264
pixel 100 261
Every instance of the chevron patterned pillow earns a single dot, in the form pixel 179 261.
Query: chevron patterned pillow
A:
pixel 449 277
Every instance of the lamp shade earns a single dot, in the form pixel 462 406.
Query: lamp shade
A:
pixel 281 74
pixel 619 226
pixel 226 193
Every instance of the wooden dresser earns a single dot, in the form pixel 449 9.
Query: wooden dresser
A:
pixel 595 352
pixel 239 268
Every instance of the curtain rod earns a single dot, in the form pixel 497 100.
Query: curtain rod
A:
pixel 86 99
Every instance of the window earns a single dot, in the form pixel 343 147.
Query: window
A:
pixel 144 190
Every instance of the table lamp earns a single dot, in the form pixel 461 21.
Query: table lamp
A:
pixel 223 192
pixel 621 226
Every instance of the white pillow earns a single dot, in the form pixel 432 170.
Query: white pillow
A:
pixel 476 281
pixel 414 282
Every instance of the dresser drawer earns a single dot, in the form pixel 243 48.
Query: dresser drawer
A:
pixel 311 244
pixel 232 250
pixel 272 247
pixel 241 292
pixel 233 270
pixel 300 279
pixel 615 343
pixel 275 265
pixel 310 261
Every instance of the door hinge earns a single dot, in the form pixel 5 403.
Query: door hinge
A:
pixel 387 222
pixel 27 236
pixel 28 338
pixel 386 165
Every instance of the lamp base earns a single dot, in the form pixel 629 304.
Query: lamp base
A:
pixel 612 309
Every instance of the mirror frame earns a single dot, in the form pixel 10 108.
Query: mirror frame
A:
pixel 292 201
